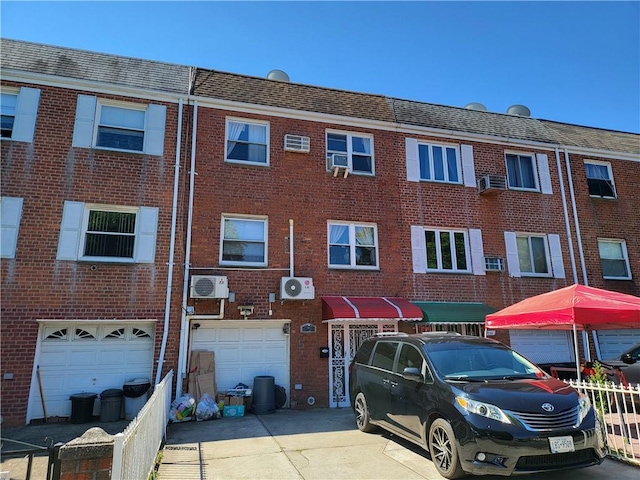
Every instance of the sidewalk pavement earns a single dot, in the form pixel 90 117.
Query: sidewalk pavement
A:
pixel 319 444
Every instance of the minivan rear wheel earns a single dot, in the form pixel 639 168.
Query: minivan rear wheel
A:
pixel 362 414
pixel 442 446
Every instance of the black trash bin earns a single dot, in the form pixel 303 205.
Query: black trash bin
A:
pixel 264 399
pixel 82 407
pixel 135 396
pixel 111 405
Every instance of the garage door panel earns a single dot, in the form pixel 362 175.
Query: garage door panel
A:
pixel 253 335
pixel 228 335
pixel 543 346
pixel 75 365
pixel 614 342
pixel 273 353
pixel 227 354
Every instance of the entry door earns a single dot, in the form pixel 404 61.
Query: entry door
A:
pixel 345 338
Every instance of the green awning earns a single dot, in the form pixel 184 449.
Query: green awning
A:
pixel 453 312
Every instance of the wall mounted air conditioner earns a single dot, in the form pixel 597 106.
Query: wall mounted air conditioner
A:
pixel 209 286
pixel 493 264
pixel 297 143
pixel 338 160
pixel 297 288
pixel 492 183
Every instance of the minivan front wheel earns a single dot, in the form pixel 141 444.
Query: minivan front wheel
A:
pixel 442 446
pixel 362 414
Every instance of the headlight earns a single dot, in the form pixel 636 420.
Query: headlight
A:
pixel 483 409
pixel 584 406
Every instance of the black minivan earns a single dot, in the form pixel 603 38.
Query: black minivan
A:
pixel 477 406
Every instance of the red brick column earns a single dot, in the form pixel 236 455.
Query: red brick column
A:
pixel 88 457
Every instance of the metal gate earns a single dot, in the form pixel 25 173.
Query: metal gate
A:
pixel 345 338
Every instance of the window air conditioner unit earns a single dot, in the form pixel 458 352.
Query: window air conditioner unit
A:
pixel 493 264
pixel 297 143
pixel 297 288
pixel 209 286
pixel 338 160
pixel 492 183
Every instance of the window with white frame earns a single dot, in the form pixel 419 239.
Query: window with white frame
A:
pixel 18 111
pixel 600 179
pixel 447 250
pixel 108 233
pixel 357 148
pixel 521 171
pixel 244 241
pixel 533 255
pixel 614 259
pixel 247 142
pixel 439 163
pixel 353 245
pixel 120 126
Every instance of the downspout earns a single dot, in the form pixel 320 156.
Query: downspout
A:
pixel 291 247
pixel 184 323
pixel 585 281
pixel 174 220
pixel 574 270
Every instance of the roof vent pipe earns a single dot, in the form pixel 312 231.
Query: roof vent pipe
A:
pixel 475 106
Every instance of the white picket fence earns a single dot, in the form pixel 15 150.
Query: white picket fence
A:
pixel 618 407
pixel 135 450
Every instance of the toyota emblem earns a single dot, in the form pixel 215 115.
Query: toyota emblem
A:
pixel 547 407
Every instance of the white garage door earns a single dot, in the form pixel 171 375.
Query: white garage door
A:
pixel 614 342
pixel 87 357
pixel 246 349
pixel 543 346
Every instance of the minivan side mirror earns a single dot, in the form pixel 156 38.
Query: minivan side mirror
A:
pixel 628 359
pixel 412 373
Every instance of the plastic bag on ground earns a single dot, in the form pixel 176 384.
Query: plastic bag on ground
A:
pixel 207 408
pixel 182 409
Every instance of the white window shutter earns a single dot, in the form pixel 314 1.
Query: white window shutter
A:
pixel 413 160
pixel 85 116
pixel 418 249
pixel 70 230
pixel 543 172
pixel 513 263
pixel 555 251
pixel 26 112
pixel 10 215
pixel 147 234
pixel 468 167
pixel 477 251
pixel 154 133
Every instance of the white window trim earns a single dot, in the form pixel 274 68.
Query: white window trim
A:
pixel 625 256
pixel 87 122
pixel 257 218
pixel 609 171
pixel 352 246
pixel 350 135
pixel 444 146
pixel 467 250
pixel 534 165
pixel 547 255
pixel 247 121
pixel 73 230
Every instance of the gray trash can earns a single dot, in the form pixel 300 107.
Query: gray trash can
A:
pixel 111 405
pixel 135 396
pixel 264 400
pixel 82 407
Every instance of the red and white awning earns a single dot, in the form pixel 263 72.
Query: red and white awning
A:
pixel 369 308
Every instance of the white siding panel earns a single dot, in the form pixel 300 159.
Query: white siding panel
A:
pixel 513 264
pixel 70 230
pixel 468 167
pixel 26 113
pixel 85 118
pixel 556 255
pixel 412 158
pixel 10 217
pixel 477 251
pixel 154 134
pixel 147 235
pixel 418 249
pixel 543 172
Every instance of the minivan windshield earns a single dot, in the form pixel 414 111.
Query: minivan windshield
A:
pixel 479 361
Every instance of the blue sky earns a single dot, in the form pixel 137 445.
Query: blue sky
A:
pixel 573 62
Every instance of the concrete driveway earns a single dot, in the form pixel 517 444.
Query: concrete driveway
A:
pixel 316 444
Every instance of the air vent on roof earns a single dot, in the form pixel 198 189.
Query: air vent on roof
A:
pixel 519 110
pixel 297 143
pixel 475 106
pixel 278 75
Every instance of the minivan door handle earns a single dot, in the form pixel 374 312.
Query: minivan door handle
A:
pixel 394 384
pixel 385 380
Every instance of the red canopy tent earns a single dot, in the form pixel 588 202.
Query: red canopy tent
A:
pixel 577 307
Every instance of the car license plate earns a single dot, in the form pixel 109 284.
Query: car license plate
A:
pixel 561 444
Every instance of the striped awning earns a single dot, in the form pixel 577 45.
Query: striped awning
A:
pixel 369 308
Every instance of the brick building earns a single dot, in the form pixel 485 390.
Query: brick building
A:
pixel 305 220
